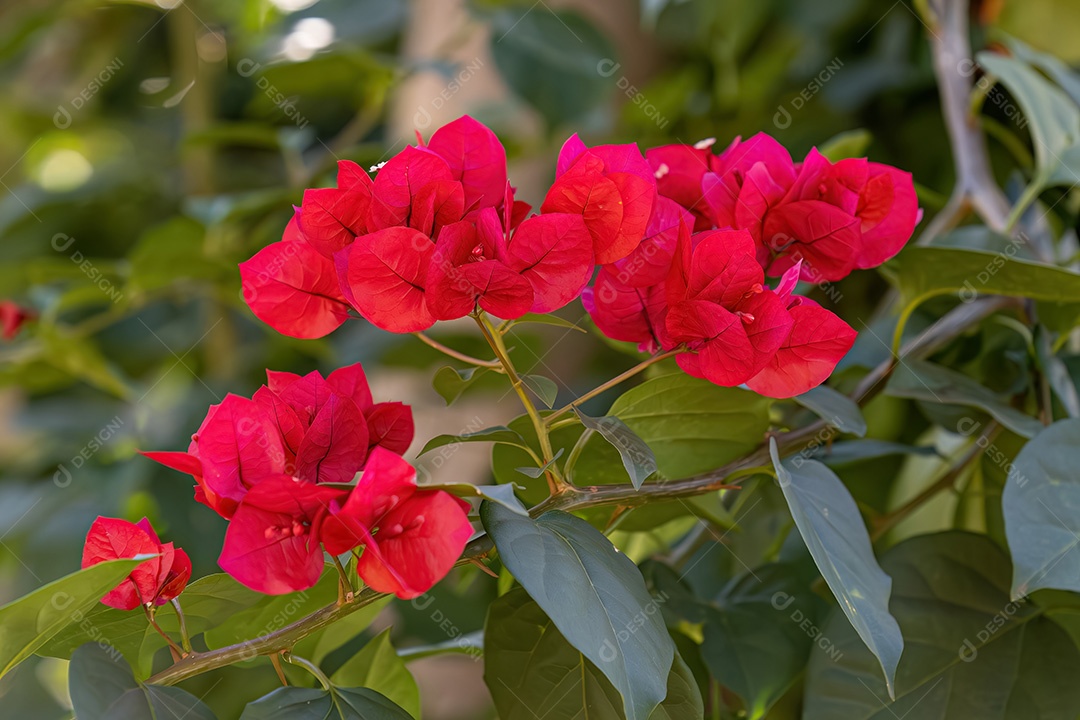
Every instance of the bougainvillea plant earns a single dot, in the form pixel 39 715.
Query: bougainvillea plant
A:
pixel 697 261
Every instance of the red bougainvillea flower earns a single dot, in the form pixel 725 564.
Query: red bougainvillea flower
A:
pixel 679 171
pixel 12 317
pixel 816 343
pixel 272 543
pixel 719 307
pixel 628 300
pixel 155 581
pixel 748 178
pixel 411 537
pixel 611 187
pixel 293 287
pixel 318 429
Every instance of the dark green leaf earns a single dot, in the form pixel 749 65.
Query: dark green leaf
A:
pixel 851 451
pixel 497 434
pixel 295 703
pixel 377 666
pixel 921 380
pixel 535 472
pixel 551 59
pixel 971 653
pixel 834 408
pixel 532 671
pixel 450 382
pixel 542 387
pixel 691 425
pixel 925 272
pixel 830 524
pixel 636 456
pixel 1056 373
pixel 595 596
pixel 1053 118
pixel 471 644
pixel 502 494
pixel 1041 502
pixel 757 636
pixel 29 622
pixel 103 687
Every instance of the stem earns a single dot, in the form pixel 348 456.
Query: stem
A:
pixel 184 638
pixel 611 383
pixel 309 666
pixel 431 342
pixel 888 521
pixel 555 482
pixel 1030 195
pixel 153 623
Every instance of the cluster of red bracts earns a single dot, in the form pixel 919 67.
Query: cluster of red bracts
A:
pixel 278 467
pixel 684 239
pixel 153 582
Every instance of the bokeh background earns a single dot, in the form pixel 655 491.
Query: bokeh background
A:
pixel 148 147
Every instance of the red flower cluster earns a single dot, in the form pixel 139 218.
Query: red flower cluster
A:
pixel 834 217
pixel 275 466
pixel 435 234
pixel 722 223
pixel 684 238
pixel 155 581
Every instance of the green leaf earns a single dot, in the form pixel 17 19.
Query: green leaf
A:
pixel 851 451
pixel 172 250
pixel 550 59
pixel 536 318
pixel 535 472
pixel 103 687
pixel 318 645
pixel 450 382
pixel 754 641
pixel 848 144
pixel 471 644
pixel 377 666
pixel 830 524
pixel 295 703
pixel 691 425
pixel 207 602
pixel 532 671
pixel 29 622
pixel 634 452
pixel 1041 503
pixel 542 387
pixel 593 594
pixel 502 494
pixel 1054 119
pixel 273 612
pixel 971 653
pixel 834 408
pixel 925 272
pixel 497 434
pixel 1057 374
pixel 921 380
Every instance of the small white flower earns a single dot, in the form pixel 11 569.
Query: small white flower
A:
pixel 704 144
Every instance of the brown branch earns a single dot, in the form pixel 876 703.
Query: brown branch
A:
pixel 954 68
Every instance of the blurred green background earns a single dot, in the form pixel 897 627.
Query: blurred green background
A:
pixel 147 148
